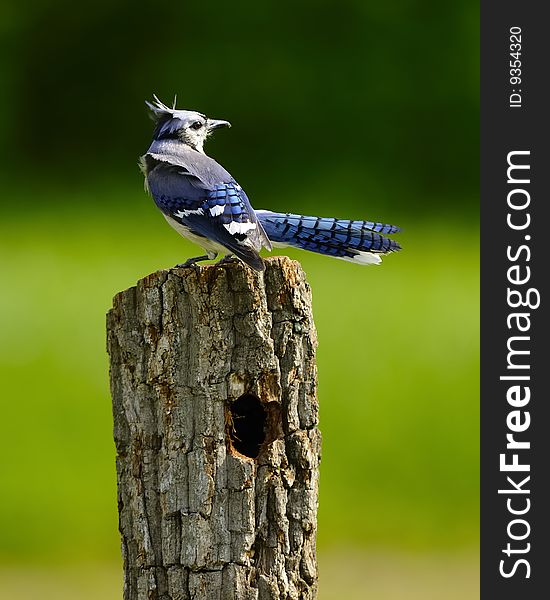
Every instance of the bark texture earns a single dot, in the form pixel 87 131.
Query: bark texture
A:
pixel 213 382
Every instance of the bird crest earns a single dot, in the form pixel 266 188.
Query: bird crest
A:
pixel 170 121
pixel 159 109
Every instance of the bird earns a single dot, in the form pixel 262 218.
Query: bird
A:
pixel 205 204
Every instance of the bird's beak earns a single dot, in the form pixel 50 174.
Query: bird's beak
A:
pixel 212 124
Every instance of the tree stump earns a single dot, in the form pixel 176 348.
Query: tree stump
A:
pixel 213 382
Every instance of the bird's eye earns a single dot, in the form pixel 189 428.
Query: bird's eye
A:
pixel 196 125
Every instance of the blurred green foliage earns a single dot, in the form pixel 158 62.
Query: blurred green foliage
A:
pixel 349 109
pixel 398 376
pixel 383 96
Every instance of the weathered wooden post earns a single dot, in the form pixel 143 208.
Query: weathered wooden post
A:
pixel 213 382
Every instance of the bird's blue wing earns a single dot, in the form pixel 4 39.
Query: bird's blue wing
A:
pixel 221 213
pixel 229 205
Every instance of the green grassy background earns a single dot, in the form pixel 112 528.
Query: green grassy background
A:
pixel 351 109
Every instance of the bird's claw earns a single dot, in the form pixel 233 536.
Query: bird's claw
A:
pixel 227 259
pixel 192 262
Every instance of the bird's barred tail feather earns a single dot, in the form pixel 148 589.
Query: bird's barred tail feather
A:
pixel 356 241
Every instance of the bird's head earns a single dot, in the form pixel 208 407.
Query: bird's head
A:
pixel 187 126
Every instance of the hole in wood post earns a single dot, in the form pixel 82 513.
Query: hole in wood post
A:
pixel 248 417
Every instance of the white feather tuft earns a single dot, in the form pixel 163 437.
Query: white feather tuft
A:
pixel 366 258
pixel 185 213
pixel 235 227
pixel 217 210
pixel 362 258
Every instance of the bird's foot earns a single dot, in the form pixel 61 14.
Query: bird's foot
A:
pixel 192 262
pixel 227 259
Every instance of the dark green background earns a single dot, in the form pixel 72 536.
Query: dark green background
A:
pixel 384 95
pixel 351 109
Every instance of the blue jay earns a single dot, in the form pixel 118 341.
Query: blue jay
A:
pixel 204 203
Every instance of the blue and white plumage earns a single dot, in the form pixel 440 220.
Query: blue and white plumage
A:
pixel 203 202
pixel 355 241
